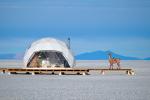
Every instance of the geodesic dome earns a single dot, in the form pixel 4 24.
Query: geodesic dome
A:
pixel 48 52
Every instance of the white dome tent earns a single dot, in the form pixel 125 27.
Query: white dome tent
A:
pixel 48 52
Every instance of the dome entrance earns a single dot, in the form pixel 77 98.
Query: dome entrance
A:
pixel 46 59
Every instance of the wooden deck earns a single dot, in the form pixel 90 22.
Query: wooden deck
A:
pixel 61 71
pixel 103 70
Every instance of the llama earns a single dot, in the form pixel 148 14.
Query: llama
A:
pixel 113 61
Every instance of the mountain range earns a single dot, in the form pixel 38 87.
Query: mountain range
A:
pixel 147 58
pixel 12 56
pixel 103 55
pixel 95 55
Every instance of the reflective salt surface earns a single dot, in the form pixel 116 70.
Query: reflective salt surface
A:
pixel 111 86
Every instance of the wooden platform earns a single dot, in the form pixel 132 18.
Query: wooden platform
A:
pixel 60 71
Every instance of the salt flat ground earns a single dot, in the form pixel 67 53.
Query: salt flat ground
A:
pixel 111 86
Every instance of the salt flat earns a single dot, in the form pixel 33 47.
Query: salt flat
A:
pixel 111 86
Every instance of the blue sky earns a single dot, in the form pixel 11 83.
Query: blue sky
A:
pixel 122 26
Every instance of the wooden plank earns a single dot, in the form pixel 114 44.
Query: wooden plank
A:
pixel 109 69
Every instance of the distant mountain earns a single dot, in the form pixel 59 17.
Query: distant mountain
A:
pixel 102 55
pixel 7 56
pixel 96 55
pixel 147 58
pixel 11 56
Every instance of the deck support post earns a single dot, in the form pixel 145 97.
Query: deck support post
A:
pixel 60 73
pixel 83 73
pixel 52 73
pixel 132 72
pixel 128 72
pixel 32 73
pixel 8 73
pixel 102 72
pixel 3 72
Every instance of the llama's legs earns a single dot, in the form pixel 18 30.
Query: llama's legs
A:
pixel 118 64
pixel 111 66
